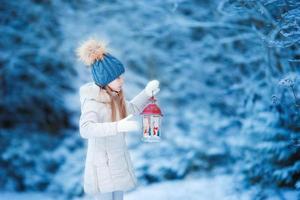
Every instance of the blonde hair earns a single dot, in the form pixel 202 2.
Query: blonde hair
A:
pixel 119 100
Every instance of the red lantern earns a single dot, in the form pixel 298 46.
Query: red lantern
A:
pixel 151 119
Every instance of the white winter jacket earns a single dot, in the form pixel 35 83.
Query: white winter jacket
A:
pixel 108 166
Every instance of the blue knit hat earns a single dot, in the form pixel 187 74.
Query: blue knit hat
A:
pixel 104 67
pixel 107 69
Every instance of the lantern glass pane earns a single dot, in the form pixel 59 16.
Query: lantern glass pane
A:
pixel 151 128
pixel 146 126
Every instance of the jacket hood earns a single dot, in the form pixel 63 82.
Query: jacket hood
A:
pixel 92 91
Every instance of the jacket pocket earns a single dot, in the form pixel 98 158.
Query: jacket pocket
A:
pixel 100 158
pixel 117 162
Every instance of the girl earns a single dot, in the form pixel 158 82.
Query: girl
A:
pixel 104 120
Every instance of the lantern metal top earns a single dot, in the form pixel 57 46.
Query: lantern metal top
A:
pixel 152 108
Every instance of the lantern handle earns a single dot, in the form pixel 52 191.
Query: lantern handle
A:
pixel 152 99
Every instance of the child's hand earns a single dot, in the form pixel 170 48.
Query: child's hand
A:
pixel 124 125
pixel 152 88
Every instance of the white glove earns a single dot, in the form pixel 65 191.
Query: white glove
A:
pixel 124 125
pixel 152 88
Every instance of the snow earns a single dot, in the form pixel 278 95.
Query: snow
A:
pixel 213 188
pixel 218 62
pixel 221 187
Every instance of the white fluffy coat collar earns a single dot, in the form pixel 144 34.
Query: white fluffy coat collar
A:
pixel 92 91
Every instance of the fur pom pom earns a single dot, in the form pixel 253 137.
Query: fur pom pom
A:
pixel 91 50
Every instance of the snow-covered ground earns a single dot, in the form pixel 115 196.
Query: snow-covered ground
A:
pixel 221 187
pixel 215 188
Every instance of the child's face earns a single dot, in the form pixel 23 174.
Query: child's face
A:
pixel 116 84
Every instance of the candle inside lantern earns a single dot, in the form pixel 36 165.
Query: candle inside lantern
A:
pixel 151 120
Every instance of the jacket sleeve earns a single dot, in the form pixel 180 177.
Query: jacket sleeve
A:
pixel 137 104
pixel 90 125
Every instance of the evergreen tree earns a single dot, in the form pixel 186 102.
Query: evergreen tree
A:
pixel 35 75
pixel 270 157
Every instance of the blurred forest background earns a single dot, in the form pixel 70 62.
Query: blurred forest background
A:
pixel 229 73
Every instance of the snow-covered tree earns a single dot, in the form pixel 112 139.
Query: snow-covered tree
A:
pixel 34 71
pixel 35 75
pixel 271 157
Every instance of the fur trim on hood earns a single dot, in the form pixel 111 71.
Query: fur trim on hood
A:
pixel 92 91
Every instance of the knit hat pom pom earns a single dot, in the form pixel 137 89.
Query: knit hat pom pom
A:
pixel 91 50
